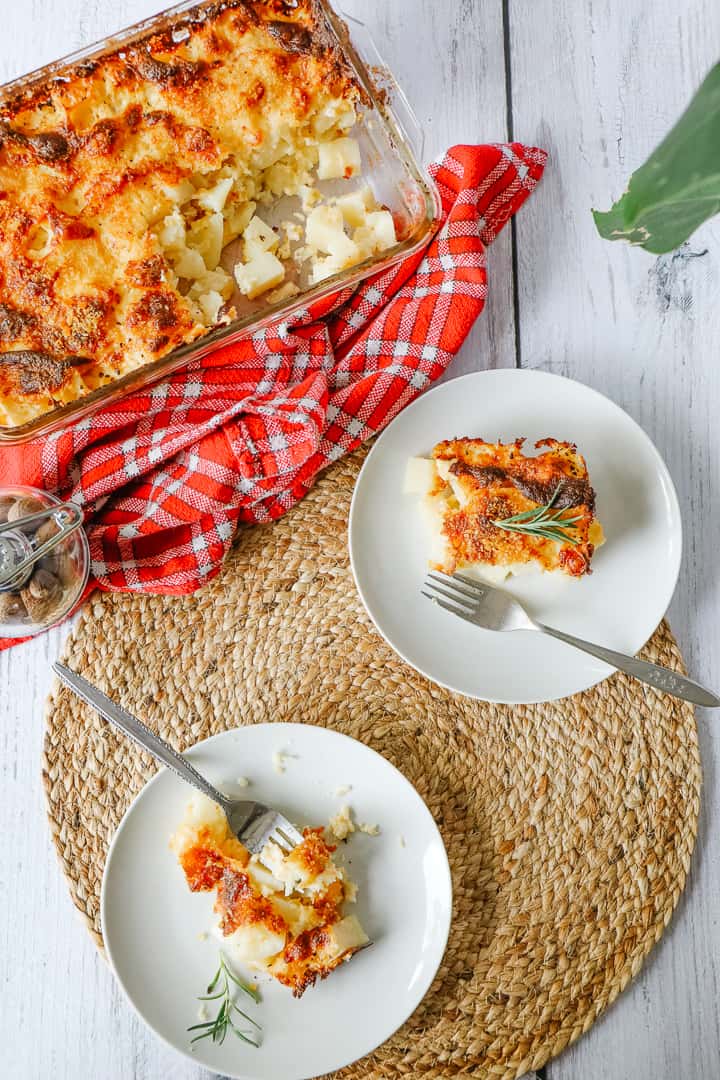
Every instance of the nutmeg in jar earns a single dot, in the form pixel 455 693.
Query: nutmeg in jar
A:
pixel 52 586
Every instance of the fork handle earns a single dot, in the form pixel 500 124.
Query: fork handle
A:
pixel 136 730
pixel 661 678
pixel 655 675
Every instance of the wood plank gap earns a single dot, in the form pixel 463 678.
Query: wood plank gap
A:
pixel 510 125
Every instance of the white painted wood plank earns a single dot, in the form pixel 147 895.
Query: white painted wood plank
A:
pixel 84 1027
pixel 598 84
pixel 449 60
pixel 63 1014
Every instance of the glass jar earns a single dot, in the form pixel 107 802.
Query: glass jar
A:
pixel 44 560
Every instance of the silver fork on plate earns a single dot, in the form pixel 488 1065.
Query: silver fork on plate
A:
pixel 492 609
pixel 252 822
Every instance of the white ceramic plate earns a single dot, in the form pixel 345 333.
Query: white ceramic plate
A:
pixel 152 923
pixel 619 605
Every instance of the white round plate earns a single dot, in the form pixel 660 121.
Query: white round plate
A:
pixel 619 605
pixel 153 925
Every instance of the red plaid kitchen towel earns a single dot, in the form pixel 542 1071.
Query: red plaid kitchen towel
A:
pixel 165 475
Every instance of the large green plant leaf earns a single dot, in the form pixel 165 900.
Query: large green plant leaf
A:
pixel 678 187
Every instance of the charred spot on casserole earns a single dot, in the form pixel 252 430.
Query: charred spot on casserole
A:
pixel 15 324
pixel 203 120
pixel 29 372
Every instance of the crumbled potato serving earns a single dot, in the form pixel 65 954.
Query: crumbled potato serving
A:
pixel 281 914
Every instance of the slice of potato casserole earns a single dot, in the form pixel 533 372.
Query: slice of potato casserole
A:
pixel 279 914
pixel 124 179
pixel 497 511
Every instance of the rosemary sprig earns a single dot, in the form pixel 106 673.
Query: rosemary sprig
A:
pixel 217 1028
pixel 543 521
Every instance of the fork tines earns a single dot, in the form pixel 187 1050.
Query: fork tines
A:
pixel 285 839
pixel 463 593
pixel 266 825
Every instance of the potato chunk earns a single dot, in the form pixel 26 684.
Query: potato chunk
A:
pixel 339 158
pixel 259 237
pixel 260 274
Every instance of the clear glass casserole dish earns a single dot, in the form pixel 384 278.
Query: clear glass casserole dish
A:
pixel 390 144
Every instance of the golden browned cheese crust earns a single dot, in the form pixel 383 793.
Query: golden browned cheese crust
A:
pixel 93 160
pixel 497 481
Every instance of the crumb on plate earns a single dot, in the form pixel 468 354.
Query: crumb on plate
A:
pixel 280 760
pixel 342 824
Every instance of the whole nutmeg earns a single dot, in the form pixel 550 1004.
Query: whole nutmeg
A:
pixel 43 584
pixel 6 502
pixel 23 507
pixel 11 607
pixel 47 530
pixel 42 596
pixel 54 563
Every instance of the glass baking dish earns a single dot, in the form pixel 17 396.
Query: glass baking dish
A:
pixel 391 145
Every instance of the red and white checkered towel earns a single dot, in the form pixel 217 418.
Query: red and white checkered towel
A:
pixel 166 474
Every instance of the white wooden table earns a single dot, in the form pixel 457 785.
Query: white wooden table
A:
pixel 597 83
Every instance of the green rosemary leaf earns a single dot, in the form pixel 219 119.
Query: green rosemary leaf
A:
pixel 527 515
pixel 241 1035
pixel 217 1028
pixel 245 1016
pixel 197 1038
pixel 249 990
pixel 543 521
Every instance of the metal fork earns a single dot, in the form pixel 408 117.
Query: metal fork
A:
pixel 492 609
pixel 252 822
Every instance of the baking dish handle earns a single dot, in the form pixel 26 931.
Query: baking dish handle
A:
pixel 386 86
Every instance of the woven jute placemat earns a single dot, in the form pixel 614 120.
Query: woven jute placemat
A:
pixel 569 826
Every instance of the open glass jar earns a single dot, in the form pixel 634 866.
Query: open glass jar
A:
pixel 44 560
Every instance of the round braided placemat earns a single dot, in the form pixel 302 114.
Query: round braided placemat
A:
pixel 569 826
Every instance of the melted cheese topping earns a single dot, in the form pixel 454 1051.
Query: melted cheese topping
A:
pixel 468 485
pixel 122 181
pixel 279 914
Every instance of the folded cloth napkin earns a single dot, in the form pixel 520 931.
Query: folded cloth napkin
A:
pixel 165 475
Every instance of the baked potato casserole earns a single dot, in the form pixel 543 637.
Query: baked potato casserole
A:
pixel 124 180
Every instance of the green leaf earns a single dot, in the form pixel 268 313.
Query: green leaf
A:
pixel 678 187
pixel 198 1038
pixel 217 1029
pixel 243 985
pixel 245 1016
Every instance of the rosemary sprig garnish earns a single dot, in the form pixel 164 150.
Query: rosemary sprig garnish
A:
pixel 217 1028
pixel 544 521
